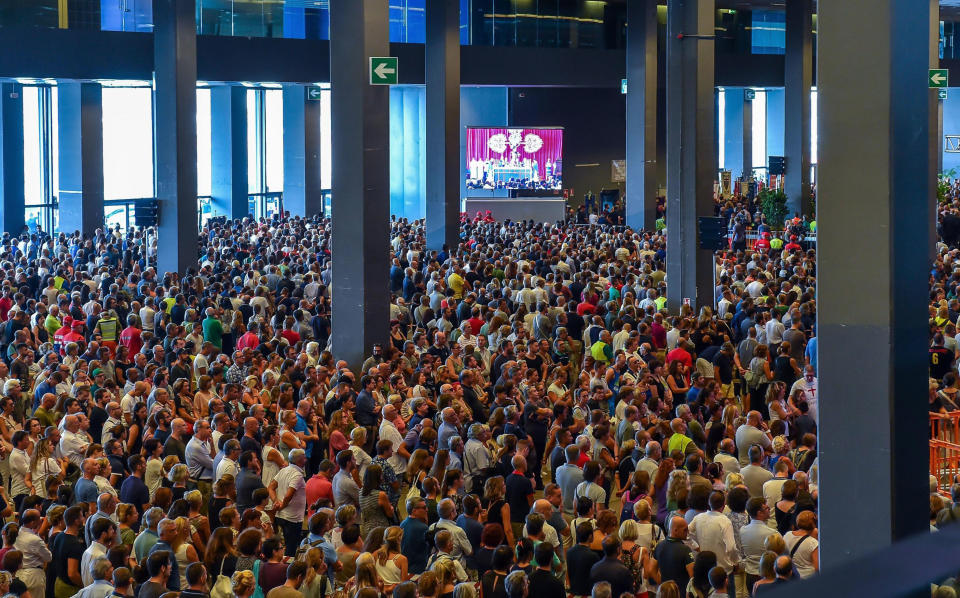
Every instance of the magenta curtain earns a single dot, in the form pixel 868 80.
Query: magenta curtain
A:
pixel 552 149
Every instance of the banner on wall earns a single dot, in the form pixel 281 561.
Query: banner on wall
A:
pixel 618 171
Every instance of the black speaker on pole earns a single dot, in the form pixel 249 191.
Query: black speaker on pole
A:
pixel 777 165
pixel 146 213
pixel 713 233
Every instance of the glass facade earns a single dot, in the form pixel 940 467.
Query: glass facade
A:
pixel 544 23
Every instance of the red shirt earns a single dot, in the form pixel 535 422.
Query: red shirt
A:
pixel 585 307
pixel 291 336
pixel 475 325
pixel 71 337
pixel 248 341
pixel 318 486
pixel 680 355
pixel 130 338
pixel 659 334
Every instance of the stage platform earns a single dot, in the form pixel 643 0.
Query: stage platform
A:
pixel 521 208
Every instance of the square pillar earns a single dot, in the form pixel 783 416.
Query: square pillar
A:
pixel 691 150
pixel 361 178
pixel 641 185
pixel 443 122
pixel 175 133
pixel 11 158
pixel 228 147
pixel 80 139
pixel 874 117
pixel 747 132
pixel 798 78
pixel 302 186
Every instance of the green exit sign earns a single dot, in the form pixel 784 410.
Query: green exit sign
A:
pixel 313 94
pixel 938 77
pixel 383 70
pixel 749 94
pixel 942 93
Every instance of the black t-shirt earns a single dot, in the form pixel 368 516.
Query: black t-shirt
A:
pixel 940 361
pixel 613 571
pixel 544 584
pixel 98 416
pixel 66 546
pixel 151 589
pixel 518 489
pixel 724 367
pixel 673 556
pixel 580 559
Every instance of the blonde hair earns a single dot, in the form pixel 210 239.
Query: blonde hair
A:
pixel 733 480
pixel 392 539
pixel 446 572
pixel 629 529
pixel 243 582
pixel 124 510
pixel 678 480
pixel 194 497
pixel 775 543
pixel 641 510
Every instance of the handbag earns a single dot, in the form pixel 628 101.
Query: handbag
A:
pixel 223 586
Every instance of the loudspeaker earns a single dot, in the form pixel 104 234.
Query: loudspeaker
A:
pixel 146 214
pixel 713 233
pixel 777 165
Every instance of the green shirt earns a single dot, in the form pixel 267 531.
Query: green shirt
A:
pixel 213 332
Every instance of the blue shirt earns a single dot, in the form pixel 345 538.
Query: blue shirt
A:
pixel 811 353
pixel 85 491
pixel 173 583
pixel 473 529
pixel 302 428
pixel 135 492
pixel 414 545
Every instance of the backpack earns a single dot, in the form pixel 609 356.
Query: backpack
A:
pixel 305 547
pixel 627 511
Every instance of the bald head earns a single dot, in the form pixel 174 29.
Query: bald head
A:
pixel 678 528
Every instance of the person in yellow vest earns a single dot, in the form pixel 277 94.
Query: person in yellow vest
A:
pixel 679 441
pixel 602 350
pixel 108 327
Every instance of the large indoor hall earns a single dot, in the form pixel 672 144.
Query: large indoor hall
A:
pixel 479 298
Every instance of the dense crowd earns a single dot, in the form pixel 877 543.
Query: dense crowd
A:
pixel 538 421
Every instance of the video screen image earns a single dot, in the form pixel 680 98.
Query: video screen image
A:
pixel 514 158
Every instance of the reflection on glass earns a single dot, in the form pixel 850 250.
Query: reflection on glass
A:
pixel 760 130
pixel 204 153
pixel 127 143
pixel 33 163
pixel 273 142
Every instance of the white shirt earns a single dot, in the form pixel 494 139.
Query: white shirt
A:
pixel 714 531
pixel 291 476
pixel 34 549
pixel 361 457
pixel 73 446
pixel 773 492
pixel 803 557
pixel 809 394
pixel 775 331
pixel 389 432
pixel 225 467
pixel 730 463
pixel 91 554
pixel 549 534
pixel 752 537
pixel 19 466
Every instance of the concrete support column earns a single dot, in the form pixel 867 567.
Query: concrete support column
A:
pixel 228 146
pixel 691 151
pixel 11 158
pixel 641 185
pixel 175 132
pixel 874 110
pixel 80 141
pixel 798 78
pixel 747 132
pixel 443 121
pixel 302 185
pixel 936 124
pixel 361 178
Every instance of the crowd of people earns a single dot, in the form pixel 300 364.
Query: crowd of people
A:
pixel 537 421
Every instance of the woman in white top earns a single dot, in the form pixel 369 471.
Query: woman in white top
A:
pixel 153 478
pixel 43 466
pixel 273 460
pixel 183 550
pixel 390 564
pixel 803 546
